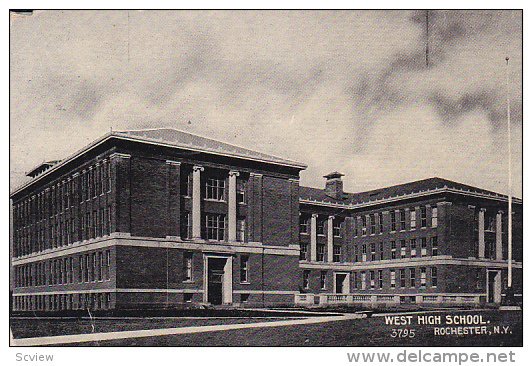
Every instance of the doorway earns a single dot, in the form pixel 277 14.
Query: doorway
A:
pixel 218 280
pixel 215 280
pixel 341 283
pixel 494 286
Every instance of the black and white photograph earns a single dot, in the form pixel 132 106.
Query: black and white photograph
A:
pixel 266 178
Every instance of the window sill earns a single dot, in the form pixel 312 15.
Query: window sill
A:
pixel 214 200
pixel 189 281
pixel 245 283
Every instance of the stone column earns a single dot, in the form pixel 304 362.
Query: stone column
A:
pixel 313 237
pixel 196 202
pixel 330 238
pixel 481 244
pixel 498 236
pixel 231 206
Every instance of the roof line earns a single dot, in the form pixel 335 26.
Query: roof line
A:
pixel 120 135
pixel 406 196
pixel 293 162
pixel 210 151
pixel 62 162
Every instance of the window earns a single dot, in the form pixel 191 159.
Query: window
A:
pixel 93 267
pixel 423 247
pixel 372 224
pixel 98 181
pixel 215 189
pixel 363 281
pixel 489 222
pixel 97 223
pixel 320 227
pixel 80 269
pixel 186 184
pixel 423 212
pixel 100 266
pixel 489 249
pixel 364 225
pixel 434 217
pixel 423 277
pixel 337 253
pixel 109 178
pixel 392 278
pixel 186 226
pixel 372 246
pixel 187 266
pixel 381 251
pixel 413 247
pixel 372 279
pixel 90 183
pixel 323 277
pixel 215 227
pixel 321 253
pixel 244 270
pixel 337 227
pixel 379 278
pixel 108 265
pixel 240 230
pixel 60 272
pixel 402 217
pixel 108 218
pixel 303 248
pixel 412 218
pixel 478 280
pixel 105 179
pixel 403 249
pixel 306 276
pixel 87 265
pixel 434 242
pixel 402 277
pixel 393 246
pixel 241 191
pixel 381 223
pixel 412 277
pixel 355 280
pixel 434 277
pixel 364 252
pixel 303 224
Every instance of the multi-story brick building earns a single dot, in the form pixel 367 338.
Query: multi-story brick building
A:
pixel 432 241
pixel 162 218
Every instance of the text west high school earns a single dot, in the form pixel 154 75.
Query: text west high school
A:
pixel 162 218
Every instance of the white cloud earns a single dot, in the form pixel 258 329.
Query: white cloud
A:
pixel 286 83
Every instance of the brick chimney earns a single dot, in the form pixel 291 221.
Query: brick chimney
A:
pixel 334 187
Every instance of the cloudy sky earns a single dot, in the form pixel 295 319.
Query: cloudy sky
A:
pixel 338 90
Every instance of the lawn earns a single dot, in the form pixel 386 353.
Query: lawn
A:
pixel 29 327
pixel 354 333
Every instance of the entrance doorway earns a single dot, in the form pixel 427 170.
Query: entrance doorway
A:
pixel 218 280
pixel 341 283
pixel 494 286
pixel 215 280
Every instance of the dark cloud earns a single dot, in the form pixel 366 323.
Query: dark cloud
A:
pixel 445 37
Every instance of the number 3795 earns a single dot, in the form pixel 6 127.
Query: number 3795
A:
pixel 403 333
